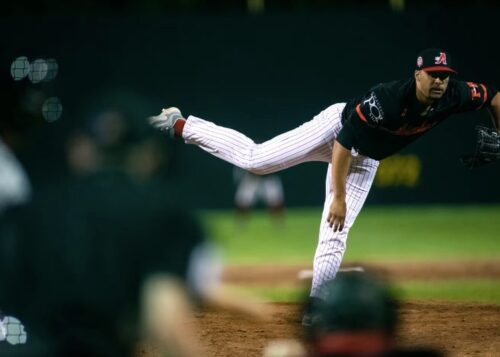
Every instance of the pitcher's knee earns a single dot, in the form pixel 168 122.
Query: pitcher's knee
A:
pixel 258 169
pixel 257 162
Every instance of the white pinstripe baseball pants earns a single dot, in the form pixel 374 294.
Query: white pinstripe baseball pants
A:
pixel 312 141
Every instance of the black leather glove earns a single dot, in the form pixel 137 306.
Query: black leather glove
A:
pixel 487 148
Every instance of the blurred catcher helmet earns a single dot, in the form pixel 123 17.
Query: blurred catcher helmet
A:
pixel 355 302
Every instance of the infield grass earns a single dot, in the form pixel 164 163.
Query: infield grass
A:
pixel 379 234
pixel 472 290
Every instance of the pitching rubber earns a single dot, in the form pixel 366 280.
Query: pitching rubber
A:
pixel 308 274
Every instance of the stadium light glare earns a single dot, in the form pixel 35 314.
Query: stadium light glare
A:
pixel 52 69
pixel 38 71
pixel 20 68
pixel 12 331
pixel 52 109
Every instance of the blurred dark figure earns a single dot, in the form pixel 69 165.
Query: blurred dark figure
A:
pixel 15 189
pixel 99 263
pixel 111 141
pixel 359 317
pixel 14 184
pixel 253 189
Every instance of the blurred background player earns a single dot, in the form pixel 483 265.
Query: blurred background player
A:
pixel 254 189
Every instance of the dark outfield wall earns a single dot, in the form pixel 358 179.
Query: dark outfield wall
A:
pixel 266 74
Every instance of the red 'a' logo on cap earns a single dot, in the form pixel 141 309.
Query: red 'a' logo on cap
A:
pixel 441 59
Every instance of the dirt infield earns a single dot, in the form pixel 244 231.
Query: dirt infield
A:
pixel 459 329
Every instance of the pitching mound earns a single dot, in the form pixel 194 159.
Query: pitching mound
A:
pixel 458 329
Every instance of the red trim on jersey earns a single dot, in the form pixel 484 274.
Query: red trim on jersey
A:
pixel 361 116
pixel 406 130
pixel 439 69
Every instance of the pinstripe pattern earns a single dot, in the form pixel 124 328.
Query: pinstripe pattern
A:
pixel 312 141
pixel 332 245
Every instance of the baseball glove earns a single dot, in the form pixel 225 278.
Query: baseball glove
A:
pixel 487 148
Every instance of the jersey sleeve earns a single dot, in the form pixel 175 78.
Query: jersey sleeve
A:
pixel 473 96
pixel 369 111
pixel 370 108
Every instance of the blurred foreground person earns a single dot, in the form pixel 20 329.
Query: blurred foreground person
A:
pixel 15 188
pixel 358 317
pixel 100 266
pixel 14 184
pixel 15 191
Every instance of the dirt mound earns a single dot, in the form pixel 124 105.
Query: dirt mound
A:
pixel 458 329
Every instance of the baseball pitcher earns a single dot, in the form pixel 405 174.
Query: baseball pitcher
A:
pixel 352 137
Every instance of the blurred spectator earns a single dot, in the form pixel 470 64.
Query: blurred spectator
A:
pixel 82 155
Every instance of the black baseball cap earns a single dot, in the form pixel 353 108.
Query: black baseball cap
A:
pixel 434 60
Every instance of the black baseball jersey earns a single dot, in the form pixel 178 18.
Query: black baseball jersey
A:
pixel 389 117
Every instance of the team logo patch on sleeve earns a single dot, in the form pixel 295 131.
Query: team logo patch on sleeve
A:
pixel 372 108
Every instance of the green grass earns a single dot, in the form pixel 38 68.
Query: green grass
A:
pixel 477 290
pixel 472 290
pixel 426 233
pixel 260 240
pixel 379 234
